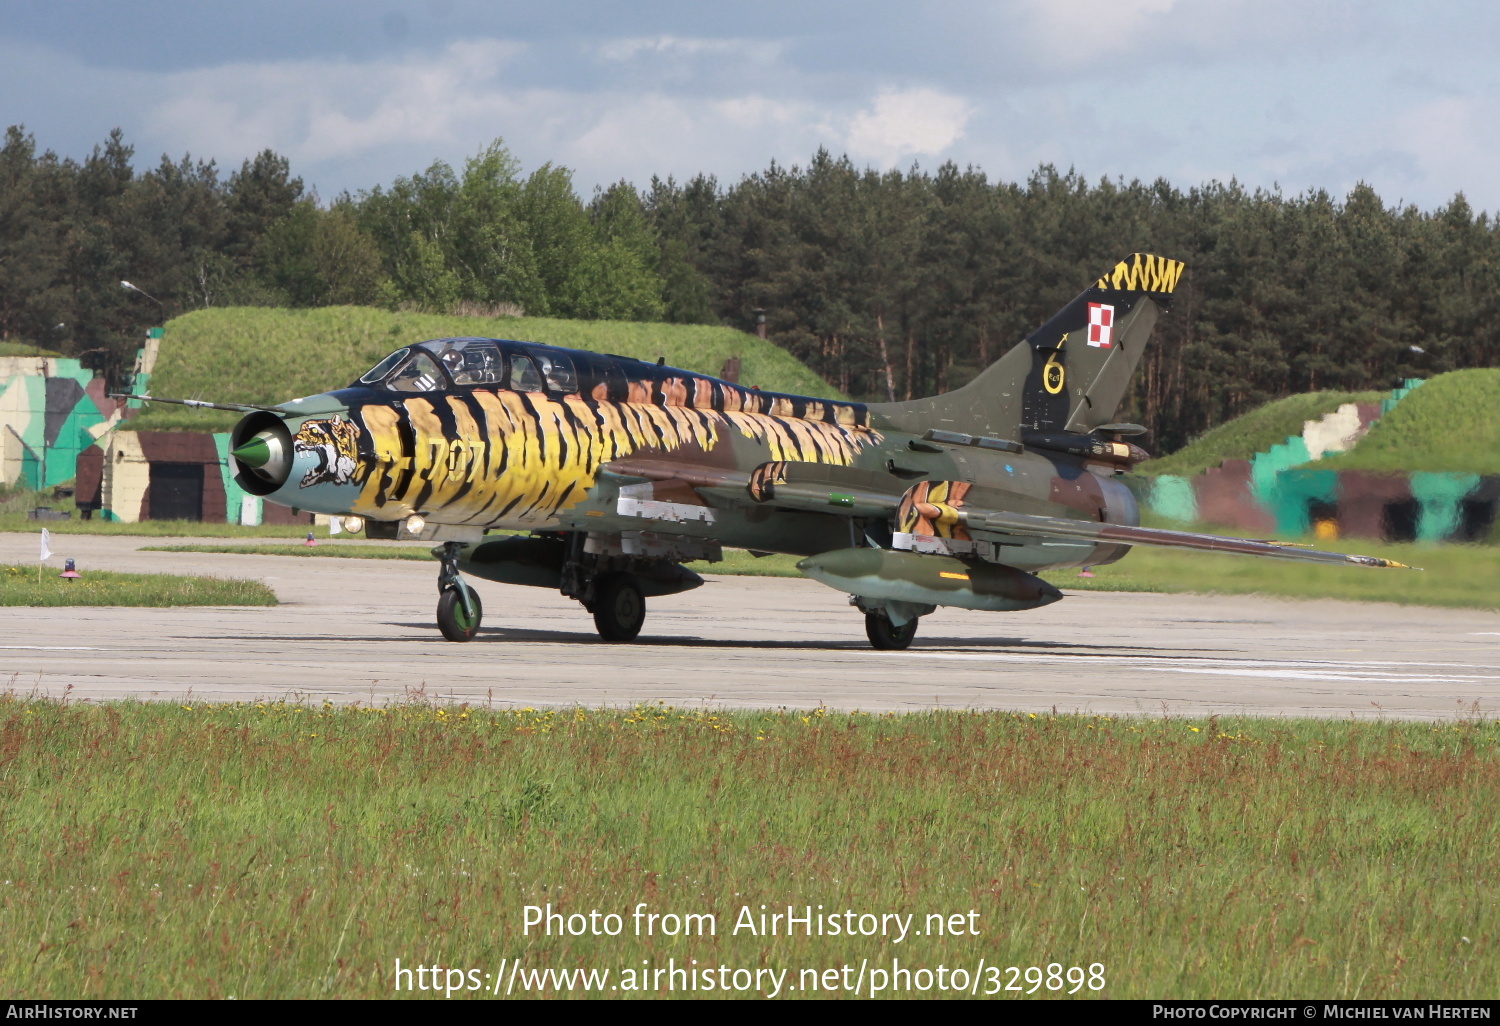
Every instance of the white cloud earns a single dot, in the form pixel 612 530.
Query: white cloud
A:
pixel 1078 30
pixel 904 124
pixel 316 110
pixel 344 114
pixel 655 47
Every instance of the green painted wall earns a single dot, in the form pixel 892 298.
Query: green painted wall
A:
pixel 234 495
pixel 1439 496
pixel 1172 497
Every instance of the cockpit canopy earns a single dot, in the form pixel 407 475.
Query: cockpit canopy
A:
pixel 493 363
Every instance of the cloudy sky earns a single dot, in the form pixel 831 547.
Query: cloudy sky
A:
pixel 1295 93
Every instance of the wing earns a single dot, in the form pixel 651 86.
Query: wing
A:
pixel 1088 530
pixel 863 493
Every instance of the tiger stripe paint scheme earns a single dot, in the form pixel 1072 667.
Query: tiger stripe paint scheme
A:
pixel 517 459
pixel 1143 272
pixel 625 469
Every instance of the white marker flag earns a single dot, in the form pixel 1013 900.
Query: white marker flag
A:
pixel 46 552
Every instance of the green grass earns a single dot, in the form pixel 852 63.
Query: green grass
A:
pixel 17 523
pixel 1451 423
pixel 321 549
pixel 265 355
pixel 1254 432
pixel 22 349
pixel 282 851
pixel 735 561
pixel 1461 576
pixel 24 586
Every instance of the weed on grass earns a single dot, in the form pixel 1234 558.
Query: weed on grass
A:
pixel 299 850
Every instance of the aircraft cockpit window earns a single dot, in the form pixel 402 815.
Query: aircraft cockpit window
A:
pixel 419 374
pixel 558 370
pixel 523 374
pixel 474 362
pixel 381 369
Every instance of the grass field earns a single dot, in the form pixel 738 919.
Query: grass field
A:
pixel 1253 432
pixel 1448 424
pixel 210 850
pixel 1462 576
pixel 338 551
pixel 1451 575
pixel 23 586
pixel 17 523
pixel 264 355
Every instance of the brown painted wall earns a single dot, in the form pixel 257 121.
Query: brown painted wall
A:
pixel 186 447
pixel 272 513
pixel 1223 497
pixel 1362 498
pixel 88 478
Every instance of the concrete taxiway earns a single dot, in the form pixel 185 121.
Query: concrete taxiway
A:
pixel 362 630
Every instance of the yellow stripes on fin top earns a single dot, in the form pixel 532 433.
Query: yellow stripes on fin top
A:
pixel 1142 272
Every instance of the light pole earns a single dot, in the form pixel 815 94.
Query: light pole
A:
pixel 136 288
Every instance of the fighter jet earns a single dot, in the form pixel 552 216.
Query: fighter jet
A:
pixel 616 472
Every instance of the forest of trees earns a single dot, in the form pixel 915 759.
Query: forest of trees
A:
pixel 890 285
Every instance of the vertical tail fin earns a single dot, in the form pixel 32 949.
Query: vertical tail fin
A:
pixel 1068 375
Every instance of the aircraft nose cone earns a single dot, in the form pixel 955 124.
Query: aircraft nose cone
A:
pixel 267 454
pixel 254 453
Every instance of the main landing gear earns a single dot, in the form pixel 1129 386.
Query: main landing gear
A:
pixel 458 610
pixel 619 608
pixel 890 624
pixel 612 593
pixel 885 635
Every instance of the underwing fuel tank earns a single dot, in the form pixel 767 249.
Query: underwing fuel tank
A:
pixel 928 580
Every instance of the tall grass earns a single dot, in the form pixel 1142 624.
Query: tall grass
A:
pixel 1451 423
pixel 1253 432
pixel 203 850
pixel 265 355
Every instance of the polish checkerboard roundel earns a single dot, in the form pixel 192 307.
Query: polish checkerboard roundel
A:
pixel 1101 325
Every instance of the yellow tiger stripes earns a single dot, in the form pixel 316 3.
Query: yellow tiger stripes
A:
pixel 1143 272
pixel 486 457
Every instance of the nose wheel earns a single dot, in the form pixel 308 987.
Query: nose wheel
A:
pixel 456 622
pixel 458 610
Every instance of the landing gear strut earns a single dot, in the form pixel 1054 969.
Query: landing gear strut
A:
pixel 608 581
pixel 458 609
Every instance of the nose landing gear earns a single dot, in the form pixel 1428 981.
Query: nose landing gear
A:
pixel 458 610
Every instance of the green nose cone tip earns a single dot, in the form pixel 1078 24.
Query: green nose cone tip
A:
pixel 254 453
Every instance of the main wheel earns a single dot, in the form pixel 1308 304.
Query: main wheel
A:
pixel 619 607
pixel 451 619
pixel 887 636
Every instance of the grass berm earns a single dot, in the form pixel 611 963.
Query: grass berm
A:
pixel 212 850
pixel 266 355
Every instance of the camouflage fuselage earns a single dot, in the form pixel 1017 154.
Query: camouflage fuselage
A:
pixel 498 458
